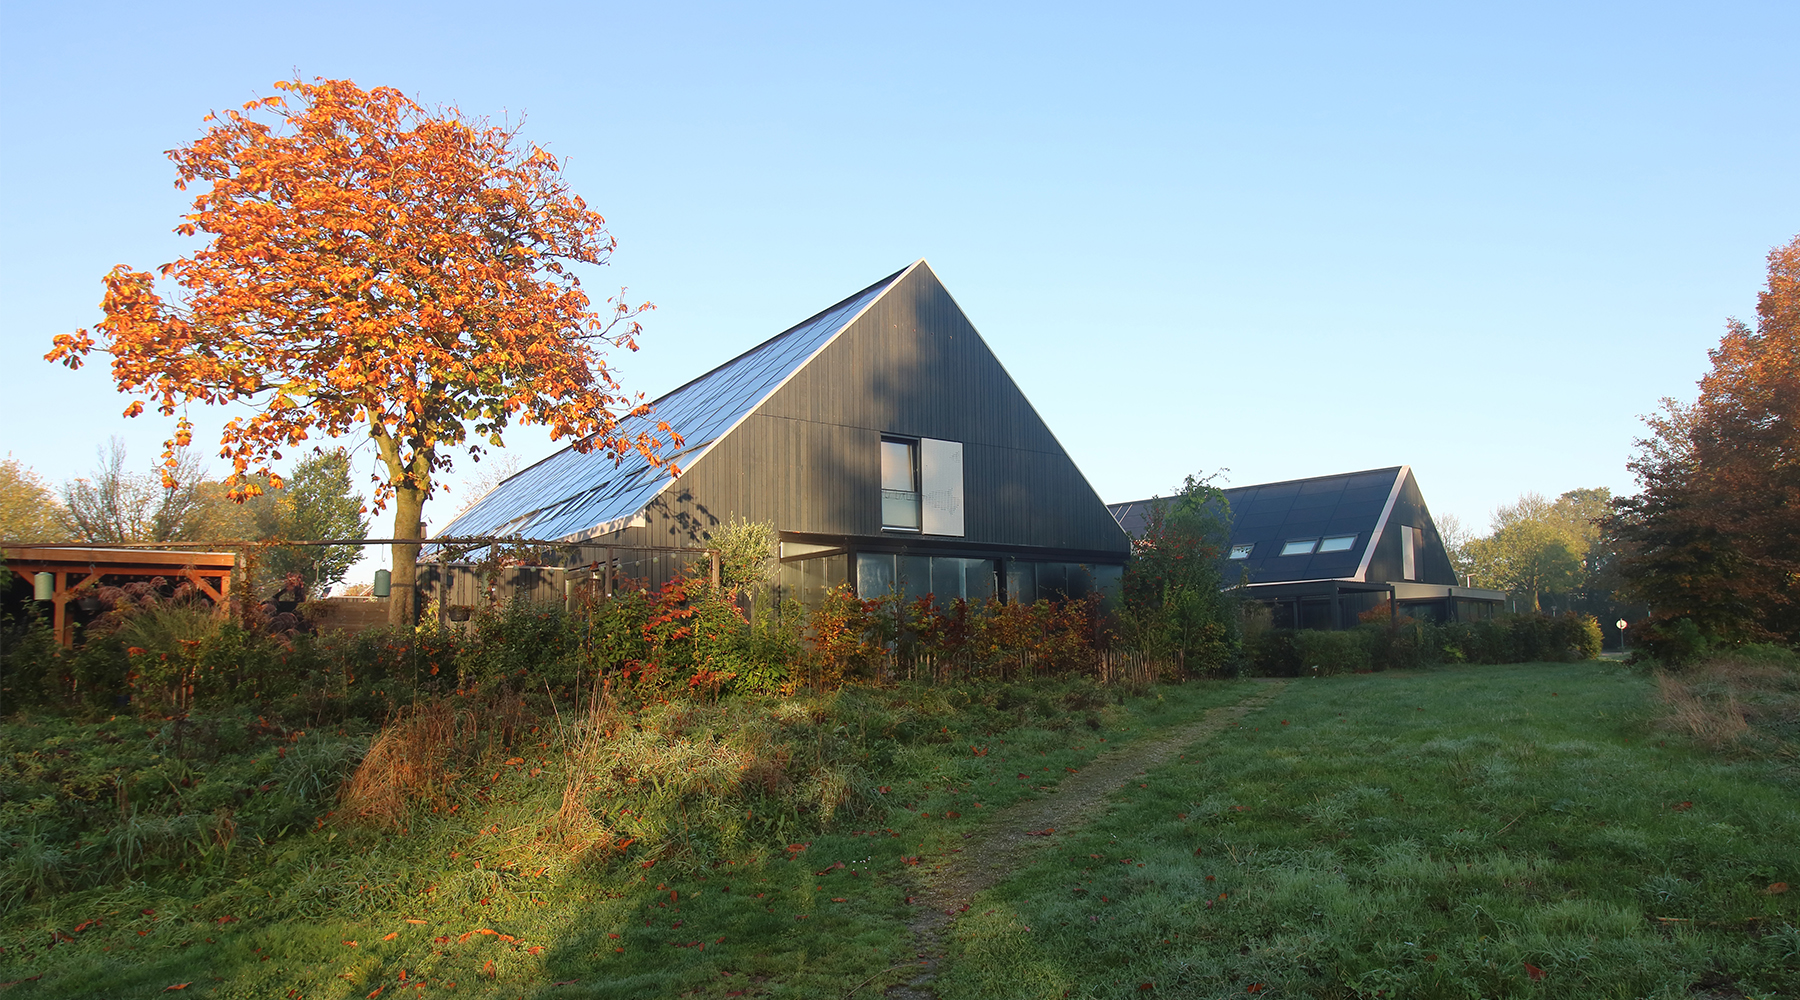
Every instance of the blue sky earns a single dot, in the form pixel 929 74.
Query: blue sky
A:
pixel 1285 240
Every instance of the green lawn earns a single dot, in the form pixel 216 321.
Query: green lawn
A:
pixel 1466 832
pixel 709 904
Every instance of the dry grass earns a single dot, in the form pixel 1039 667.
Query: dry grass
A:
pixel 408 762
pixel 1734 702
pixel 1713 722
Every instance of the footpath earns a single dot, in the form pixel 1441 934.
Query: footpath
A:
pixel 1004 845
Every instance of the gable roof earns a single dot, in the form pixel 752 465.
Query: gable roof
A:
pixel 572 496
pixel 1267 515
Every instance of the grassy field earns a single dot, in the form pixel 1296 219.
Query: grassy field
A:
pixel 1468 832
pixel 1535 830
pixel 704 868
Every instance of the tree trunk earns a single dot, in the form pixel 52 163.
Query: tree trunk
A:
pixel 403 602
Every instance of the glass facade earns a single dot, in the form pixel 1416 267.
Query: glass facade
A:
pixel 947 578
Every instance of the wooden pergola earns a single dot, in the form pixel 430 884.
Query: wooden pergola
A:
pixel 78 568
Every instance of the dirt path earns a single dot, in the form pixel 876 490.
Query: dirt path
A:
pixel 1018 831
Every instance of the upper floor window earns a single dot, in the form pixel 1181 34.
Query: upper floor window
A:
pixel 899 484
pixel 1242 551
pixel 1299 546
pixel 1337 543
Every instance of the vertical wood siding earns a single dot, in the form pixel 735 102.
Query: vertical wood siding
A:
pixel 808 459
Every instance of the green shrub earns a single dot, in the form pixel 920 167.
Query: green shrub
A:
pixel 1327 653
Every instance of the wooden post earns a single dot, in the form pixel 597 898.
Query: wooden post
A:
pixel 712 556
pixel 443 585
pixel 61 621
pixel 609 571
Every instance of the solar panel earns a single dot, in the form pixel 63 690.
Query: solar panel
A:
pixel 572 496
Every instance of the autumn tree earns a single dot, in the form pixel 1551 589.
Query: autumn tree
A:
pixel 1713 535
pixel 29 509
pixel 373 267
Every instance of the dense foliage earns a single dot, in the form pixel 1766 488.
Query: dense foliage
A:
pixel 1713 536
pixel 1177 602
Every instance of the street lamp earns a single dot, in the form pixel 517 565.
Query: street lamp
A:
pixel 1621 623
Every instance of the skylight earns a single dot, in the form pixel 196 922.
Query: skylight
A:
pixel 1242 551
pixel 1337 543
pixel 1299 546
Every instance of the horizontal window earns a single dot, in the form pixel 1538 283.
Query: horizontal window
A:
pixel 1299 547
pixel 1242 551
pixel 1337 543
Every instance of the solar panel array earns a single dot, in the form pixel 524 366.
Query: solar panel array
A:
pixel 571 496
pixel 1269 515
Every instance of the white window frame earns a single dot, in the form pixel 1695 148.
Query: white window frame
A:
pixel 1242 551
pixel 1288 549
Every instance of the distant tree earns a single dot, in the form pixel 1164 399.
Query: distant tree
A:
pixel 493 472
pixel 115 505
pixel 373 266
pixel 316 502
pixel 1713 535
pixel 1540 547
pixel 1456 537
pixel 29 509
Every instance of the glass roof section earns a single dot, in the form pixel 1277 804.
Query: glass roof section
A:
pixel 572 496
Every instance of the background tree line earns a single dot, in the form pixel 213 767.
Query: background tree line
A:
pixel 1708 550
pixel 115 505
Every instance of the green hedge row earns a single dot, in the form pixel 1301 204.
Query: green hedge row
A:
pixel 1377 646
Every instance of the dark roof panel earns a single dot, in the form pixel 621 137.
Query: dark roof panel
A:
pixel 1268 515
pixel 571 495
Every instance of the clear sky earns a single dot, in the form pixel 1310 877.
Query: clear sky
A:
pixel 1286 240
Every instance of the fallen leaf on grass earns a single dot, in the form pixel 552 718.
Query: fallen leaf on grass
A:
pixel 1533 971
pixel 391 935
pixel 1682 806
pixel 177 986
pixel 839 899
pixel 1776 888
pixel 834 866
pixel 1040 833
pixel 349 944
pixel 412 921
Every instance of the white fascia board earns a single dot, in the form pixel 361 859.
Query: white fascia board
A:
pixel 1387 510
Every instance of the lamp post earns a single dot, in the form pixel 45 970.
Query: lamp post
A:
pixel 1621 623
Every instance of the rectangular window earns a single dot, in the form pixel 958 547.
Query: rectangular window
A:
pixel 1242 551
pixel 899 485
pixel 1409 552
pixel 941 486
pixel 1299 547
pixel 1337 543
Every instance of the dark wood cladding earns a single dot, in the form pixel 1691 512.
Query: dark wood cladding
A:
pixel 1433 560
pixel 808 459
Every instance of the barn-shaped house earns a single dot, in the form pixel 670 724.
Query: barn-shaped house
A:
pixel 1321 551
pixel 882 439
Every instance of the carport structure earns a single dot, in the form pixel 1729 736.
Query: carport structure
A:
pixel 79 568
